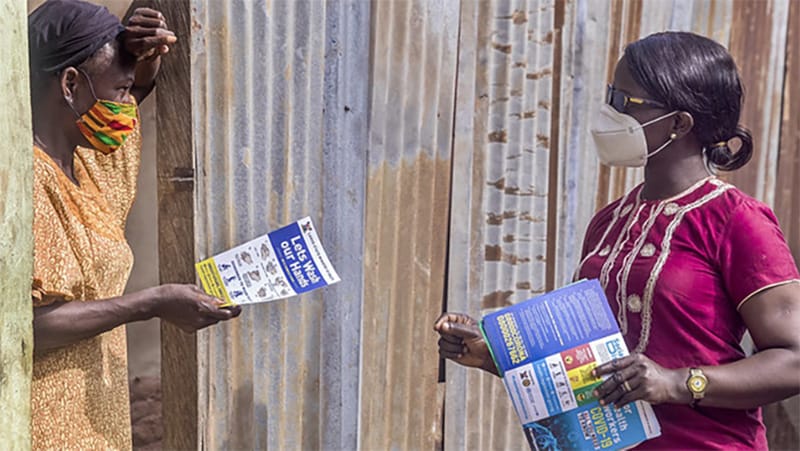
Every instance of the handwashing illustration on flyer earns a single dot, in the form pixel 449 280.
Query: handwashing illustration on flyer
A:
pixel 281 264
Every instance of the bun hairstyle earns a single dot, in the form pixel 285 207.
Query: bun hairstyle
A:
pixel 689 72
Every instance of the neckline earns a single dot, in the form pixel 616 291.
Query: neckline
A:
pixel 60 174
pixel 675 197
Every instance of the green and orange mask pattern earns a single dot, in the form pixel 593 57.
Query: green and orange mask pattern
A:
pixel 108 124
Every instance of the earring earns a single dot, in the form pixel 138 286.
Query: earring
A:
pixel 673 136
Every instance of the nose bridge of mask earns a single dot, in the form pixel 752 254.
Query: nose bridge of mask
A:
pixel 612 121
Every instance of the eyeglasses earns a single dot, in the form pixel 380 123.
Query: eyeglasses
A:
pixel 619 100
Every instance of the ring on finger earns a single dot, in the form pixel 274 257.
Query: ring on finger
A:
pixel 627 387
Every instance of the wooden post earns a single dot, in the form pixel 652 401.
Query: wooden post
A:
pixel 16 229
pixel 175 168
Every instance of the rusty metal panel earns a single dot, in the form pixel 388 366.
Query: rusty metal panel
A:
pixel 787 192
pixel 501 177
pixel 280 92
pixel 762 59
pixel 783 419
pixel 414 47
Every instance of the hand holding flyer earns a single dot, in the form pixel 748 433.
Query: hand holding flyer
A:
pixel 545 349
pixel 281 264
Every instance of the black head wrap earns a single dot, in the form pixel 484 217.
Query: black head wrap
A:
pixel 63 33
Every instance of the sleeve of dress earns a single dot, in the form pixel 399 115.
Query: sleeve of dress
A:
pixel 753 254
pixel 53 263
pixel 115 174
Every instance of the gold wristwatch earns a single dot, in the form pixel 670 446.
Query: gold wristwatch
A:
pixel 697 384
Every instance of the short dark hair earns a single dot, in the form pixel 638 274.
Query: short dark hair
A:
pixel 689 72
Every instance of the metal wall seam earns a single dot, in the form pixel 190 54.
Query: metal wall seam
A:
pixel 466 251
pixel 275 142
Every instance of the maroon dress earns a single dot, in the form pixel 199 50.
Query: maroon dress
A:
pixel 676 273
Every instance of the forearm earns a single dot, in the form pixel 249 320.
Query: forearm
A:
pixel 145 78
pixel 766 377
pixel 64 323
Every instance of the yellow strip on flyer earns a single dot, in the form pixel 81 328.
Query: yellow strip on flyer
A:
pixel 582 376
pixel 212 281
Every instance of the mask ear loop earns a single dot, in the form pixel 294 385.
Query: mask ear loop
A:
pixel 653 121
pixel 91 89
pixel 89 81
pixel 672 137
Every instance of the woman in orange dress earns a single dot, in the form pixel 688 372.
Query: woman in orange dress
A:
pixel 88 72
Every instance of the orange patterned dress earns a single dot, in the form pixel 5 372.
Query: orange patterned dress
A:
pixel 80 392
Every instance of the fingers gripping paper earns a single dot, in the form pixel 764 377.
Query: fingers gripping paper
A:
pixel 278 265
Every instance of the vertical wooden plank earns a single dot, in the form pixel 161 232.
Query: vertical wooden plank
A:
pixel 16 229
pixel 175 171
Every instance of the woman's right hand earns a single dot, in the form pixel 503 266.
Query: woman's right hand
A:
pixel 190 308
pixel 461 341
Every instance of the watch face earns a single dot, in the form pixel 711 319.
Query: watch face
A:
pixel 697 384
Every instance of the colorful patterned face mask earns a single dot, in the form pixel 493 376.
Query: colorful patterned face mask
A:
pixel 107 124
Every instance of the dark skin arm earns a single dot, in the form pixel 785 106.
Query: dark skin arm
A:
pixel 64 323
pixel 462 342
pixel 770 375
pixel 147 37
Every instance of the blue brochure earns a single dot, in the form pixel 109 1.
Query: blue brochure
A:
pixel 545 349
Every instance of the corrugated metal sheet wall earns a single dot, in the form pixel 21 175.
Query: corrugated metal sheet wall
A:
pixel 458 145
pixel 279 107
pixel 408 194
pixel 502 157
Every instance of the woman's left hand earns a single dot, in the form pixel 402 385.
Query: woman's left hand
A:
pixel 636 377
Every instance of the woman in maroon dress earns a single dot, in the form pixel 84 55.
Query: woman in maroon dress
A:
pixel 687 261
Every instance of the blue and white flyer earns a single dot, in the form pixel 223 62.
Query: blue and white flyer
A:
pixel 281 264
